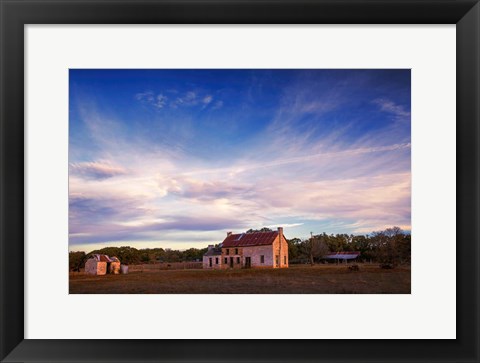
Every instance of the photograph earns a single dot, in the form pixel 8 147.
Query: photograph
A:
pixel 239 181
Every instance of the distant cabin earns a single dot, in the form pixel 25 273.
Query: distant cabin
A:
pixel 249 250
pixel 102 264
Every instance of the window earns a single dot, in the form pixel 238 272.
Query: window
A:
pixel 226 260
pixel 262 259
pixel 284 260
pixel 276 260
pixel 227 252
pixel 216 260
pixel 238 259
pixel 236 251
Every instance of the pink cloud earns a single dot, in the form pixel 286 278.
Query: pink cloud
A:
pixel 96 170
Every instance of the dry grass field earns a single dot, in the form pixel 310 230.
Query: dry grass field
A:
pixel 304 279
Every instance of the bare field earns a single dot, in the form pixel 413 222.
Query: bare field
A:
pixel 304 279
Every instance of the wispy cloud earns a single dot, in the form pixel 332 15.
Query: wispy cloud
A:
pixel 285 225
pixel 149 98
pixel 160 101
pixel 96 170
pixel 175 99
pixel 303 159
pixel 244 195
pixel 217 105
pixel 207 99
pixel 392 108
pixel 188 99
pixel 207 190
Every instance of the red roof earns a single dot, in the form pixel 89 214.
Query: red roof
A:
pixel 250 239
pixel 104 258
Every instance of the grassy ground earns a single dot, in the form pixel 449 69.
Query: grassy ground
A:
pixel 304 279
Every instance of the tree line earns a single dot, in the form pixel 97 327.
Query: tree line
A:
pixel 392 246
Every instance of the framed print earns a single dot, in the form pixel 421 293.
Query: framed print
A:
pixel 239 181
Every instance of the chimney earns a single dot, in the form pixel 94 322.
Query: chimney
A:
pixel 229 234
pixel 280 235
pixel 210 247
pixel 280 231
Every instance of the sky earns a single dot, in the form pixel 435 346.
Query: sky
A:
pixel 177 158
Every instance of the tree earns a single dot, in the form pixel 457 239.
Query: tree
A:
pixel 145 257
pixel 76 260
pixel 315 247
pixel 193 254
pixel 294 246
pixel 404 248
pixel 363 245
pixel 338 242
pixel 264 229
pixel 391 246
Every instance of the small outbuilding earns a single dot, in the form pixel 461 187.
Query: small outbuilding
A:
pixel 102 264
pixel 212 259
pixel 342 256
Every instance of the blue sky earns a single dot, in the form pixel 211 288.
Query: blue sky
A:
pixel 176 158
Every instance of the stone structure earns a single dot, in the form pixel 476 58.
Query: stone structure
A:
pixel 212 259
pixel 252 250
pixel 102 264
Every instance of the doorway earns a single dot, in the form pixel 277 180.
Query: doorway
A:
pixel 231 262
pixel 248 262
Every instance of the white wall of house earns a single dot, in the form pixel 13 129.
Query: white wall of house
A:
pixel 227 260
pixel 255 253
pixel 215 265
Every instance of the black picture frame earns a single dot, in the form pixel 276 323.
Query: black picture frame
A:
pixel 16 13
